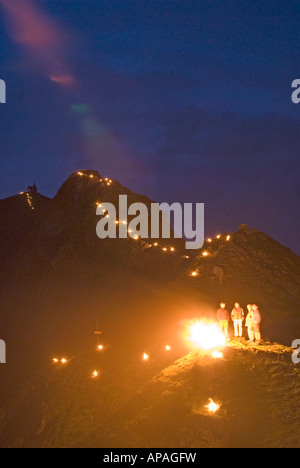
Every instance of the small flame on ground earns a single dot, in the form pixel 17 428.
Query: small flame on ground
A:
pixel 64 361
pixel 95 374
pixel 213 407
pixel 217 355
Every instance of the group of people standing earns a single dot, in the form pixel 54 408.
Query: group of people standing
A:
pixel 253 321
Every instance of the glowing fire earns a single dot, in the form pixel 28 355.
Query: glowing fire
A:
pixel 95 374
pixel 100 347
pixel 206 336
pixel 217 355
pixel 212 406
pixel 64 361
pixel 145 357
pixel 168 348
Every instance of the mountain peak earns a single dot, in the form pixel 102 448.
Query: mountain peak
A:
pixel 86 184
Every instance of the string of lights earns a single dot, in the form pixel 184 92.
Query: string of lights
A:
pixel 211 407
pixel 28 199
pixel 135 236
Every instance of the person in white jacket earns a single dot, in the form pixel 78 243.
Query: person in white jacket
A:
pixel 249 322
pixel 256 321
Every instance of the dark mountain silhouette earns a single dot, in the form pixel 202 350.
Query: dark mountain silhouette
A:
pixel 58 279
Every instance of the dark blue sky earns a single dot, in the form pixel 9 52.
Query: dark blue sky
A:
pixel 180 100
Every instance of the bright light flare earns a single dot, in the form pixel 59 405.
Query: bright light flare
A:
pixel 64 80
pixel 206 336
pixel 146 357
pixel 95 374
pixel 64 361
pixel 100 347
pixel 213 407
pixel 168 348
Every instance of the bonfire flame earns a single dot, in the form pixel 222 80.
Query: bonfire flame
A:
pixel 206 336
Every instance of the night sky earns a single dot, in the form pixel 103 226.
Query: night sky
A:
pixel 185 101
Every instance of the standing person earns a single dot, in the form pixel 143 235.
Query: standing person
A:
pixel 249 323
pixel 256 324
pixel 237 316
pixel 223 317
